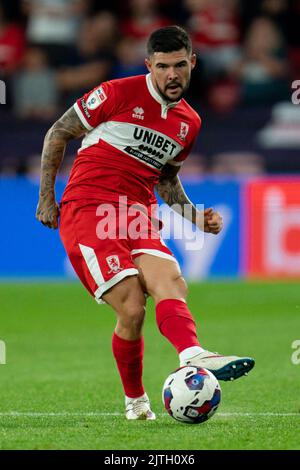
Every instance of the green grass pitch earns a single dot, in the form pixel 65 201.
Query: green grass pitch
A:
pixel 60 389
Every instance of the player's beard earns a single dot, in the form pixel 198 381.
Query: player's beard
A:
pixel 173 100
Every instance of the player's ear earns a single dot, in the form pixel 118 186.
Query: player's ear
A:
pixel 148 64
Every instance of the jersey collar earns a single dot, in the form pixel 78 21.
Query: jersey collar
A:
pixel 165 106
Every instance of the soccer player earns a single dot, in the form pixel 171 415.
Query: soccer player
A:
pixel 137 132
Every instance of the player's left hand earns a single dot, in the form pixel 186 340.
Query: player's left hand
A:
pixel 213 222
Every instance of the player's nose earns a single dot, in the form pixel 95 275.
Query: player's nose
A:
pixel 172 74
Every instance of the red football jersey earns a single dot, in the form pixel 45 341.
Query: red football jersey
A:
pixel 131 134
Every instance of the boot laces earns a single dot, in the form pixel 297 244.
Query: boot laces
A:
pixel 138 406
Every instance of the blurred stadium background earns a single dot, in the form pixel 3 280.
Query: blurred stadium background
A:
pixel 246 163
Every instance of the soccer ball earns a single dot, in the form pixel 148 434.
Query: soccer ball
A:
pixel 191 394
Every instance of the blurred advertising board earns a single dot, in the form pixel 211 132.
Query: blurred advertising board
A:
pixel 215 256
pixel 272 227
pixel 261 235
pixel 27 248
pixel 30 250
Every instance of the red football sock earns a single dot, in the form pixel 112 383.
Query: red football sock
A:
pixel 129 358
pixel 176 323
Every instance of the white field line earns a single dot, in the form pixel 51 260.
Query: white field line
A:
pixel 66 414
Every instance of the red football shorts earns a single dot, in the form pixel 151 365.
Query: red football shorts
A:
pixel 102 240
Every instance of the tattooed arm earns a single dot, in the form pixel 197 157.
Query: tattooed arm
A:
pixel 172 192
pixel 64 129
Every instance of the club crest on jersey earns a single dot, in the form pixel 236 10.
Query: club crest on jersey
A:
pixel 138 113
pixel 114 264
pixel 96 98
pixel 184 128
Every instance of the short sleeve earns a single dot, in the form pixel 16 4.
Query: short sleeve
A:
pixel 96 106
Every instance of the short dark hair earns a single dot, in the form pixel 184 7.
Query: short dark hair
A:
pixel 169 39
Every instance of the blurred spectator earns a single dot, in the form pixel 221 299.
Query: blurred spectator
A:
pixel 127 59
pixel 143 18
pixel 12 43
pixel 293 38
pixel 277 10
pixel 224 95
pixel 33 167
pixel 293 35
pixel 247 52
pixel 35 92
pixel 97 36
pixel 9 166
pixel 263 67
pixel 238 163
pixel 92 62
pixel 215 31
pixel 283 129
pixel 194 167
pixel 54 25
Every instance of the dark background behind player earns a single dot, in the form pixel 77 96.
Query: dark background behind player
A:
pixel 248 56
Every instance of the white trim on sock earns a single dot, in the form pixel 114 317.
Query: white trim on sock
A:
pixel 188 353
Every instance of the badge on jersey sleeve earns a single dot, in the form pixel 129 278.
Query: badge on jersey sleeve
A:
pixel 96 98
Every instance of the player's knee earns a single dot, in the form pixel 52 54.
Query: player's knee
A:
pixel 132 307
pixel 179 285
pixel 182 286
pixel 131 315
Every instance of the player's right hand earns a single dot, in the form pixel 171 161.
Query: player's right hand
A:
pixel 213 221
pixel 47 211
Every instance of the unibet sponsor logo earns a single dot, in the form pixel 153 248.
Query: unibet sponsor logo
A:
pixel 145 158
pixel 154 140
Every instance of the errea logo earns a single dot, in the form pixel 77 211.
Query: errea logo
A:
pixel 138 113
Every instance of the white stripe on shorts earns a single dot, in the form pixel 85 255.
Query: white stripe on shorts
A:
pixel 113 281
pixel 92 263
pixel 160 254
pixel 93 266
